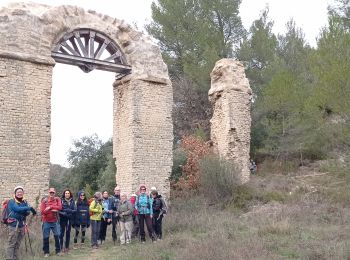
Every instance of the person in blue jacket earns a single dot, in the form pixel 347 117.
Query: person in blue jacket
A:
pixel 82 218
pixel 145 212
pixel 18 209
pixel 106 220
pixel 67 216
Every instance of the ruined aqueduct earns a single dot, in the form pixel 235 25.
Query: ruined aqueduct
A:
pixel 34 37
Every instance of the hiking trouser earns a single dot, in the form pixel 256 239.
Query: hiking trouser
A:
pixel 146 218
pixel 95 231
pixel 157 225
pixel 66 227
pixel 125 231
pixel 83 232
pixel 136 227
pixel 54 227
pixel 115 221
pixel 103 229
pixel 15 237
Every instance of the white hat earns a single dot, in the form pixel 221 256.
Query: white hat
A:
pixel 133 195
pixel 153 189
pixel 17 188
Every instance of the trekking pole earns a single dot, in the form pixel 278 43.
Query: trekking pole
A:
pixel 26 230
pixel 30 244
pixel 25 242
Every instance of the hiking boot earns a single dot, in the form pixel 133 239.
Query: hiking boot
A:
pixel 46 255
pixel 60 254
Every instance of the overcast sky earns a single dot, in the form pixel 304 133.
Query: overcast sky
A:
pixel 82 102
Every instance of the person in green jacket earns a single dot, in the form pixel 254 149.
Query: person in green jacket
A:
pixel 125 211
pixel 95 218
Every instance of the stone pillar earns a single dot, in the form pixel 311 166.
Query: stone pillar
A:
pixel 25 94
pixel 230 96
pixel 143 133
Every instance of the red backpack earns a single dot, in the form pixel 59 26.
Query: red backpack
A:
pixel 5 213
pixel 89 202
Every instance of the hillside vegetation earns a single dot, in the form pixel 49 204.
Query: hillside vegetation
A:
pixel 302 214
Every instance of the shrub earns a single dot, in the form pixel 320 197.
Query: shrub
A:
pixel 196 149
pixel 180 158
pixel 219 178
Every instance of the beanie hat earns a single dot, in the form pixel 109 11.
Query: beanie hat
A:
pixel 17 188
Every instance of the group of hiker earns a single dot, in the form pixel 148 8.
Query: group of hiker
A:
pixel 60 214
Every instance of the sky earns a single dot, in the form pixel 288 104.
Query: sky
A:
pixel 82 103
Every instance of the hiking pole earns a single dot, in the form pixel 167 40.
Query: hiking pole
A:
pixel 26 230
pixel 30 244
pixel 25 241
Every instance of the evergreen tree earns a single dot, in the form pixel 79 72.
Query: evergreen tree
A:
pixel 194 34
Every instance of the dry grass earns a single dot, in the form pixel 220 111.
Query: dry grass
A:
pixel 308 223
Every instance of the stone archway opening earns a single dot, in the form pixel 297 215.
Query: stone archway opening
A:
pixel 81 105
pixel 94 53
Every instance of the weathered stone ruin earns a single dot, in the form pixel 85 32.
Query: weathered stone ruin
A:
pixel 33 38
pixel 230 96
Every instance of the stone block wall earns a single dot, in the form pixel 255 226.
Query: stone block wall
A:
pixel 25 94
pixel 143 134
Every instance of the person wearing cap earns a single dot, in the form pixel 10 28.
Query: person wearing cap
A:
pixel 115 218
pixel 144 207
pixel 95 218
pixel 49 208
pixel 159 210
pixel 18 209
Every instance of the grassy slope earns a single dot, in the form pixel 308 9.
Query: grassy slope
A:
pixel 305 215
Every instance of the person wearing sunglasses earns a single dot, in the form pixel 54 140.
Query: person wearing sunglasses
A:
pixel 82 219
pixel 144 207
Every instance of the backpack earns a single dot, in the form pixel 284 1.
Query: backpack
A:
pixel 89 202
pixel 5 213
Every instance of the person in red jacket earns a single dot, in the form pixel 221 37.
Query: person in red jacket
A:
pixel 135 220
pixel 49 208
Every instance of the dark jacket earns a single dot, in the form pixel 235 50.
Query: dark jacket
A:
pixel 18 211
pixel 115 204
pixel 159 205
pixel 82 216
pixel 68 210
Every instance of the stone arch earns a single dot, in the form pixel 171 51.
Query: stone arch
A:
pixel 142 124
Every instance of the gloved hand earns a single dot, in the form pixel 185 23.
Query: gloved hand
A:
pixel 33 210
